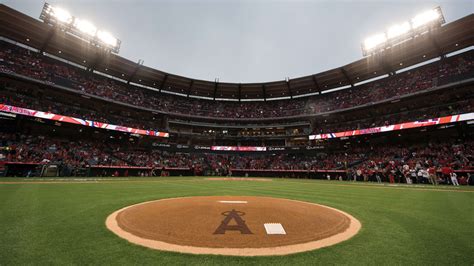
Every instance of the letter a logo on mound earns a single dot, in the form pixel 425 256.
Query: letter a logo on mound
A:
pixel 239 226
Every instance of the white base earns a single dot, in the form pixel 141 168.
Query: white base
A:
pixel 274 229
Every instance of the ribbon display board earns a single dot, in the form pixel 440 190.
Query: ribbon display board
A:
pixel 406 125
pixel 78 121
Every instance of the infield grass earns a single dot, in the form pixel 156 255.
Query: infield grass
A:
pixel 63 223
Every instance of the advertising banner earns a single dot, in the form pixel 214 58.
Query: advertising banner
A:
pixel 72 120
pixel 406 125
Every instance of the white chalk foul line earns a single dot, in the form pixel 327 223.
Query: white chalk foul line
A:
pixel 233 201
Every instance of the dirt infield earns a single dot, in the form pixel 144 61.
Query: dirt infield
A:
pixel 237 179
pixel 232 225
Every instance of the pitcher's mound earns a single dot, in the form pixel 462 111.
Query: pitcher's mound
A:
pixel 232 225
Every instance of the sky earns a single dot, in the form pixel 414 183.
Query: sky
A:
pixel 244 41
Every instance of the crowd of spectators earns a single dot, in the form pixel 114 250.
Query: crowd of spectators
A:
pixel 39 149
pixel 394 163
pixel 14 59
pixel 48 104
pixel 404 83
pixel 25 62
pixel 123 118
pixel 417 163
pixel 454 108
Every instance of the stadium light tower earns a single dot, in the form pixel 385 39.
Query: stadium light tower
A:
pixel 407 30
pixel 81 28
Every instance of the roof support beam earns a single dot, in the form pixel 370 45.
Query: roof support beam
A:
pixel 139 64
pixel 190 88
pixel 216 83
pixel 51 33
pixel 240 92
pixel 344 72
pixel 316 84
pixel 289 88
pixel 436 45
pixel 264 92
pixel 386 66
pixel 98 59
pixel 162 85
pixel 389 69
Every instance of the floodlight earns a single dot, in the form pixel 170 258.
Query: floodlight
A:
pixel 425 18
pixel 397 30
pixel 60 14
pixel 85 26
pixel 107 38
pixel 400 33
pixel 374 41
pixel 80 28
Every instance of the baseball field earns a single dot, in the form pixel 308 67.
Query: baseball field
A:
pixel 60 221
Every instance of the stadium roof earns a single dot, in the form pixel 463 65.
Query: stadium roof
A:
pixel 449 38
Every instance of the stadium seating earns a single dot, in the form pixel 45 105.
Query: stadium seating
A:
pixel 31 64
pixel 149 110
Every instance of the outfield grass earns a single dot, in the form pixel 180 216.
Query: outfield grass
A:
pixel 63 223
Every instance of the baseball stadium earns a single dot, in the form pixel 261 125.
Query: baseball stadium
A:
pixel 107 161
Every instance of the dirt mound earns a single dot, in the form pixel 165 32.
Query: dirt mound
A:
pixel 232 225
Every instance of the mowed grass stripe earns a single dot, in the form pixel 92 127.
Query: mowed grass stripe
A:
pixel 64 223
pixel 443 188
